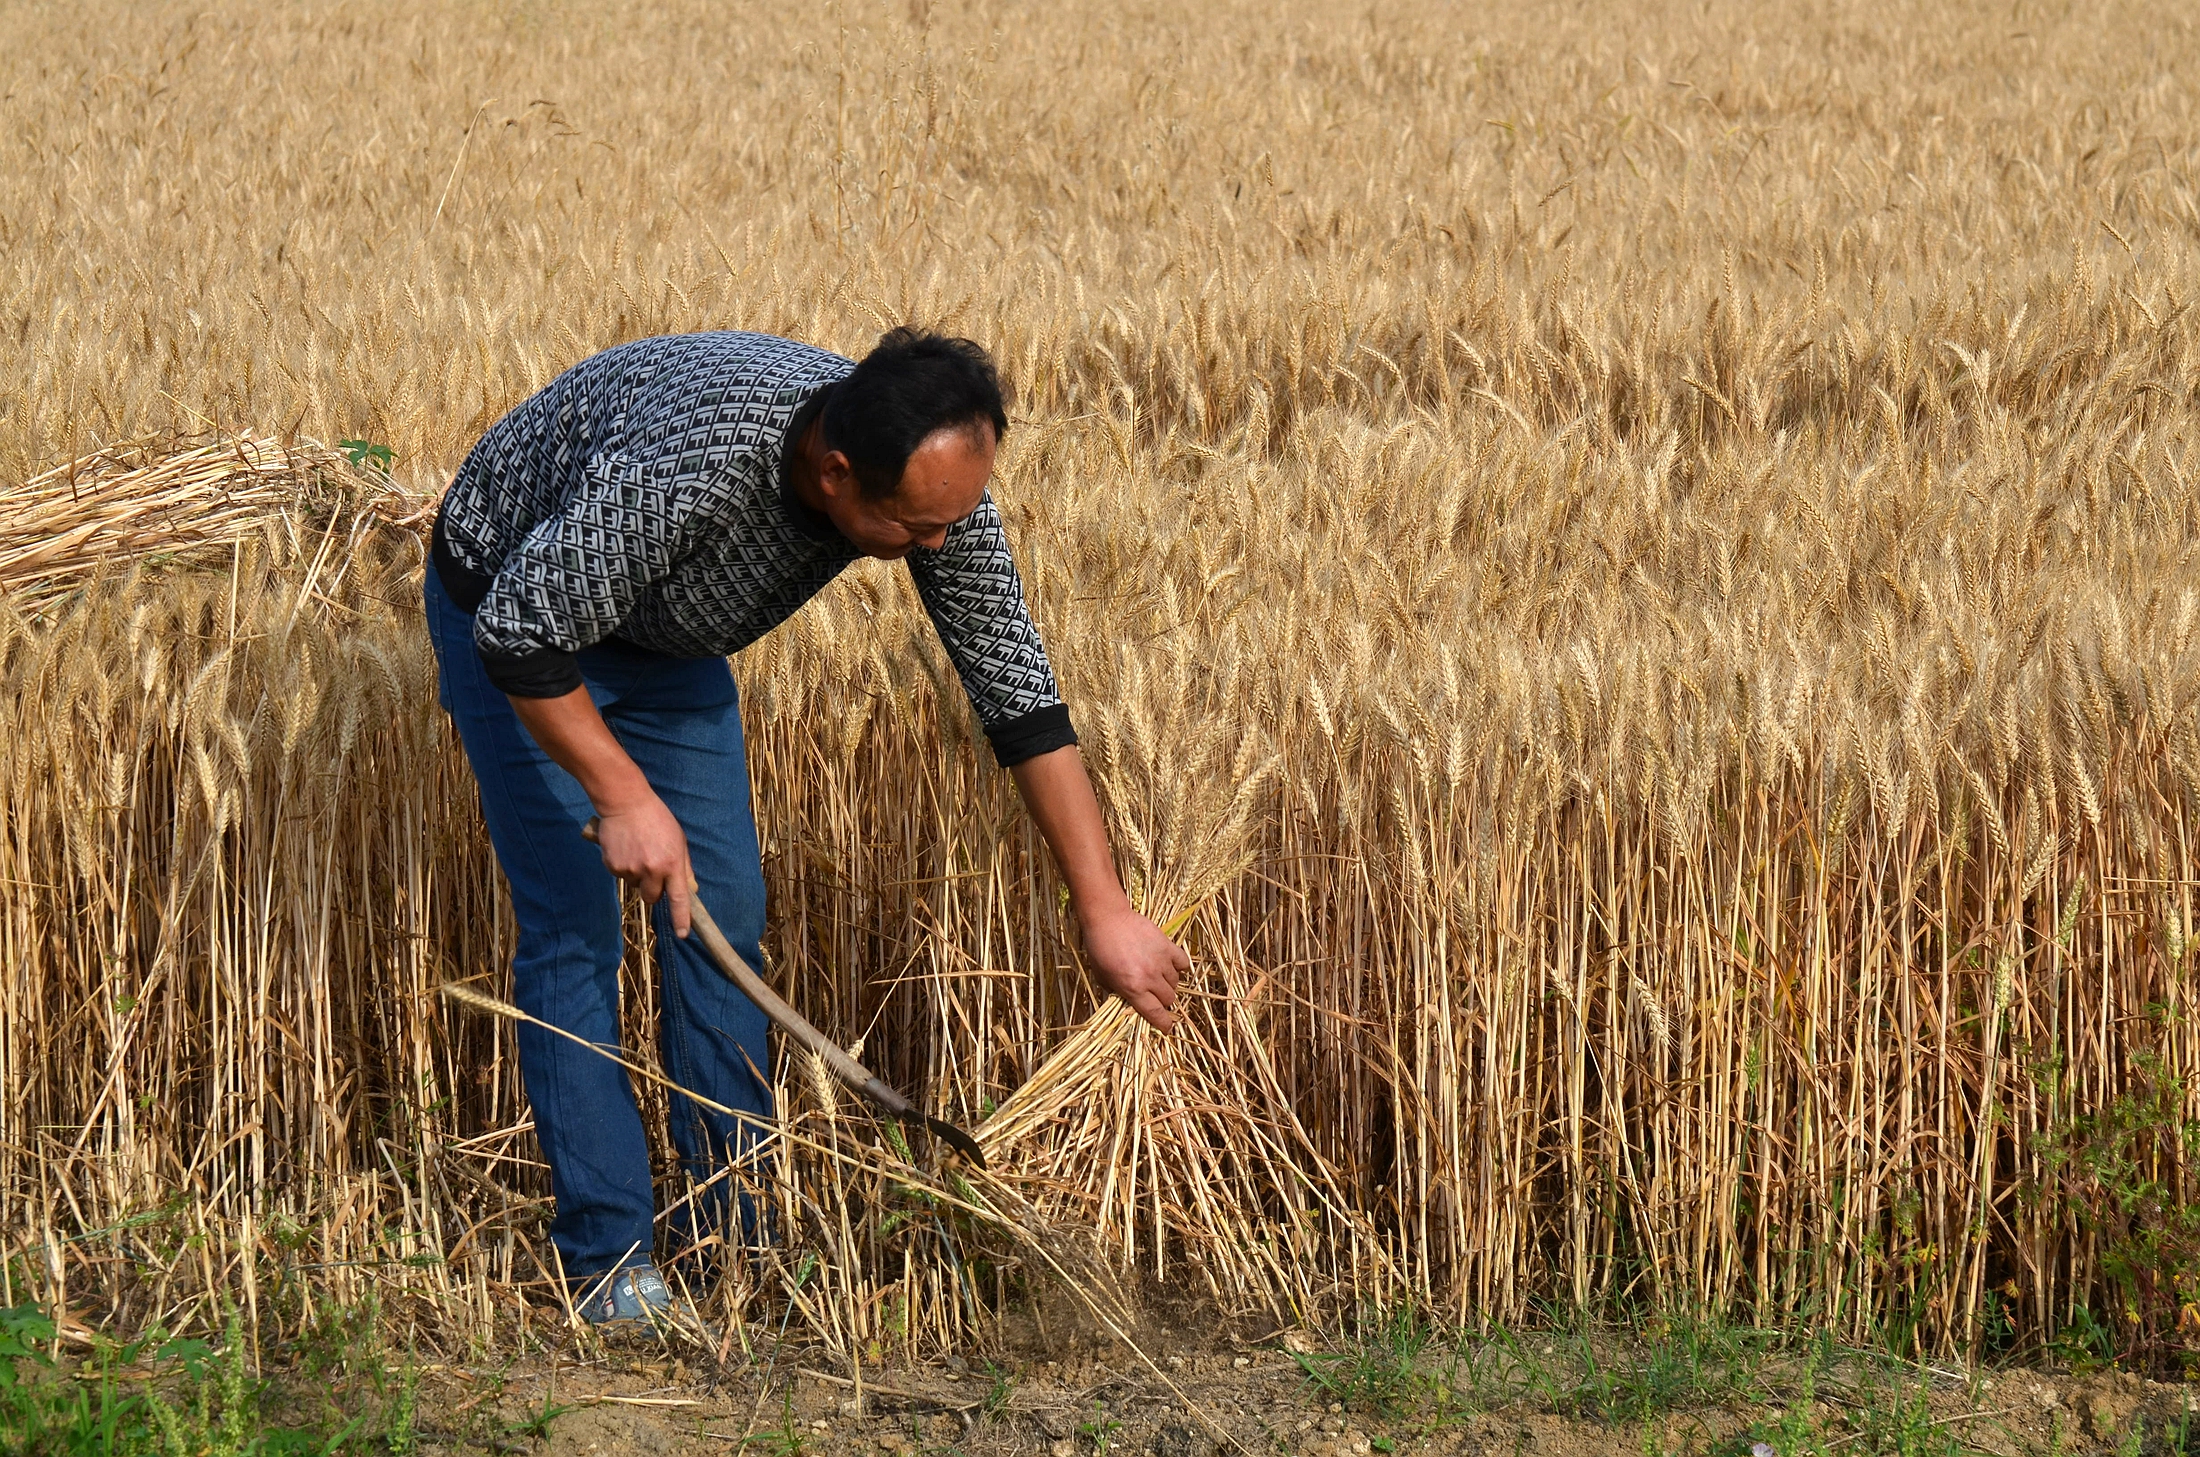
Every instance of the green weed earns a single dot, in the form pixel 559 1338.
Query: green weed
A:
pixel 157 1397
pixel 1629 1373
pixel 2119 1174
pixel 1001 1385
pixel 1100 1430
pixel 368 455
pixel 535 1426
pixel 1379 1371
pixel 2180 1438
pixel 784 1440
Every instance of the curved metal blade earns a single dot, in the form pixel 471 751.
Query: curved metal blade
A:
pixel 958 1140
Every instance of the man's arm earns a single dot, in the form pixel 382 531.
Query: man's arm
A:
pixel 975 597
pixel 1129 953
pixel 642 843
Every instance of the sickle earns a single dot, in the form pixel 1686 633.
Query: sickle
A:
pixel 797 1026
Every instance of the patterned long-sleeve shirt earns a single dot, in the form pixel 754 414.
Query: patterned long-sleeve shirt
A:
pixel 642 496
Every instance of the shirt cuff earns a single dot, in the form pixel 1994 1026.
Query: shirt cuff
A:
pixel 1027 736
pixel 542 673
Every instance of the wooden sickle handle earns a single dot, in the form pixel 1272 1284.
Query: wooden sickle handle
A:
pixel 795 1025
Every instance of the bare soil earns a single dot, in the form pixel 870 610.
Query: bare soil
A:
pixel 1254 1399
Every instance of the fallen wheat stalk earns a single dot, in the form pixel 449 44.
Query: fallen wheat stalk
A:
pixel 986 1195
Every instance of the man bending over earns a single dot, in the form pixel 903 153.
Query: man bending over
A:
pixel 603 548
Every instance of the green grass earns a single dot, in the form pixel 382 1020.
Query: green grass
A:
pixel 1633 1373
pixel 157 1397
pixel 1099 1432
pixel 785 1440
pixel 1888 1419
pixel 1695 1385
pixel 1381 1369
pixel 1000 1385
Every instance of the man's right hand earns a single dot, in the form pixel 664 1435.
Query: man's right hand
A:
pixel 642 843
pixel 645 847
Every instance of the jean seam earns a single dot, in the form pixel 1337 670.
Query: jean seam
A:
pixel 558 929
pixel 676 1020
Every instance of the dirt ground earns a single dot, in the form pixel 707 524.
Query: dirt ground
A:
pixel 1254 1398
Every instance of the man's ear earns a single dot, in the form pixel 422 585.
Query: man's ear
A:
pixel 835 476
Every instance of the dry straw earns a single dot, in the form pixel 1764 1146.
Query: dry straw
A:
pixel 1636 578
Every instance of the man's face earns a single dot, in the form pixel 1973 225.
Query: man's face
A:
pixel 943 482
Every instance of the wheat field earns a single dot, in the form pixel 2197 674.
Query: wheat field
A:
pixel 1628 569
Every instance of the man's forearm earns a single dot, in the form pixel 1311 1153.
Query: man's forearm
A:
pixel 1127 953
pixel 642 843
pixel 1060 797
pixel 574 735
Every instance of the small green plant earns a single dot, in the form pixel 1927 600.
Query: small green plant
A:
pixel 1001 1385
pixel 2178 1437
pixel 1635 1373
pixel 368 455
pixel 535 1426
pixel 22 1330
pixel 1795 1431
pixel 1100 1430
pixel 401 1408
pixel 2085 1343
pixel 1897 1419
pixel 1379 1371
pixel 152 1396
pixel 784 1440
pixel 1997 1326
pixel 2118 1174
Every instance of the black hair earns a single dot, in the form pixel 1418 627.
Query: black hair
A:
pixel 912 384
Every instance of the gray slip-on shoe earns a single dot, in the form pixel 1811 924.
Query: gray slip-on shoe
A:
pixel 638 1298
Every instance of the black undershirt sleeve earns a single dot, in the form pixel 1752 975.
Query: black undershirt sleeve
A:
pixel 461 583
pixel 1027 736
pixel 545 673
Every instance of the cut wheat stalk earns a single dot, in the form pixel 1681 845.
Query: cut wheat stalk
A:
pixel 987 1196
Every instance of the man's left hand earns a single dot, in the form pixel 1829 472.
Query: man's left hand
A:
pixel 1131 955
pixel 1136 960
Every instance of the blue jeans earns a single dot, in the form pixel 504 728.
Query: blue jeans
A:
pixel 680 720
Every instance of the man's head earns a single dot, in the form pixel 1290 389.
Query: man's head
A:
pixel 907 441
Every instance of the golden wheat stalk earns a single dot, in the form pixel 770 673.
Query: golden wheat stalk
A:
pixel 1674 687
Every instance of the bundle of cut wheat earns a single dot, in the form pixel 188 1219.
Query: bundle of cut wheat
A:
pixel 173 501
